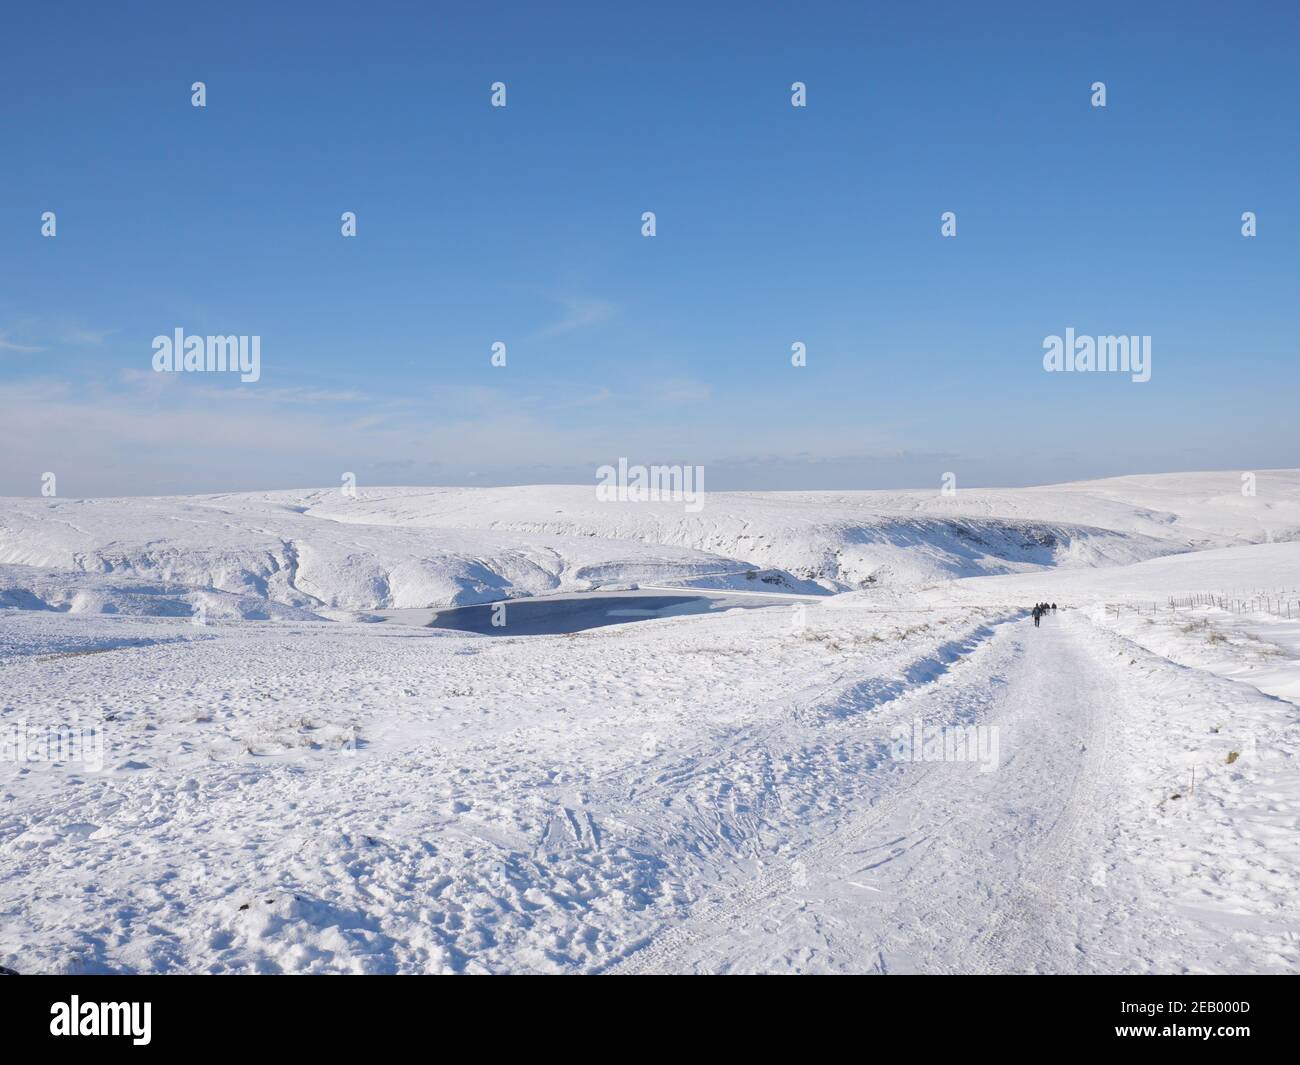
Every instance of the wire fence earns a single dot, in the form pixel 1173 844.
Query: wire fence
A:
pixel 1280 602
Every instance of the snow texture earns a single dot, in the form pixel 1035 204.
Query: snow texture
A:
pixel 313 779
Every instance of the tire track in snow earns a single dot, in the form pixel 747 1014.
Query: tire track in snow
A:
pixel 665 951
pixel 939 850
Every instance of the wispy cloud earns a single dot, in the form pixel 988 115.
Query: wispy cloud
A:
pixel 590 399
pixel 138 432
pixel 52 332
pixel 580 312
pixel 8 345
pixel 84 337
pixel 681 392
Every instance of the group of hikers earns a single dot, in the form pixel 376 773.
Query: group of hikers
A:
pixel 1042 608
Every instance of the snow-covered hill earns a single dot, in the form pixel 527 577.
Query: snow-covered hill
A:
pixel 325 552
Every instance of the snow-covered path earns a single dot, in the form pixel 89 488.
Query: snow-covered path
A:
pixel 955 869
pixel 713 793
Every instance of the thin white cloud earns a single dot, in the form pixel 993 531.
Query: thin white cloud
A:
pixel 8 345
pixel 591 399
pixel 148 433
pixel 53 333
pixel 83 337
pixel 682 392
pixel 580 312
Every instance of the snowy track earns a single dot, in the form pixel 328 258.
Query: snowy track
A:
pixel 954 870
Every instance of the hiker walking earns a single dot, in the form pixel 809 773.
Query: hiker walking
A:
pixel 1037 614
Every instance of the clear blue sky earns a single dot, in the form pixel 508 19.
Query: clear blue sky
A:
pixel 522 224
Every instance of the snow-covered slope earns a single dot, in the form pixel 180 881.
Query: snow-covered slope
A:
pixel 718 792
pixel 1231 611
pixel 845 541
pixel 713 793
pixel 390 548
pixel 264 549
pixel 1245 571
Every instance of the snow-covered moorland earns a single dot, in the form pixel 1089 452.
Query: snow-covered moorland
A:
pixel 890 769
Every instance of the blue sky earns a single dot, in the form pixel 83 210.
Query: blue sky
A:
pixel 522 224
